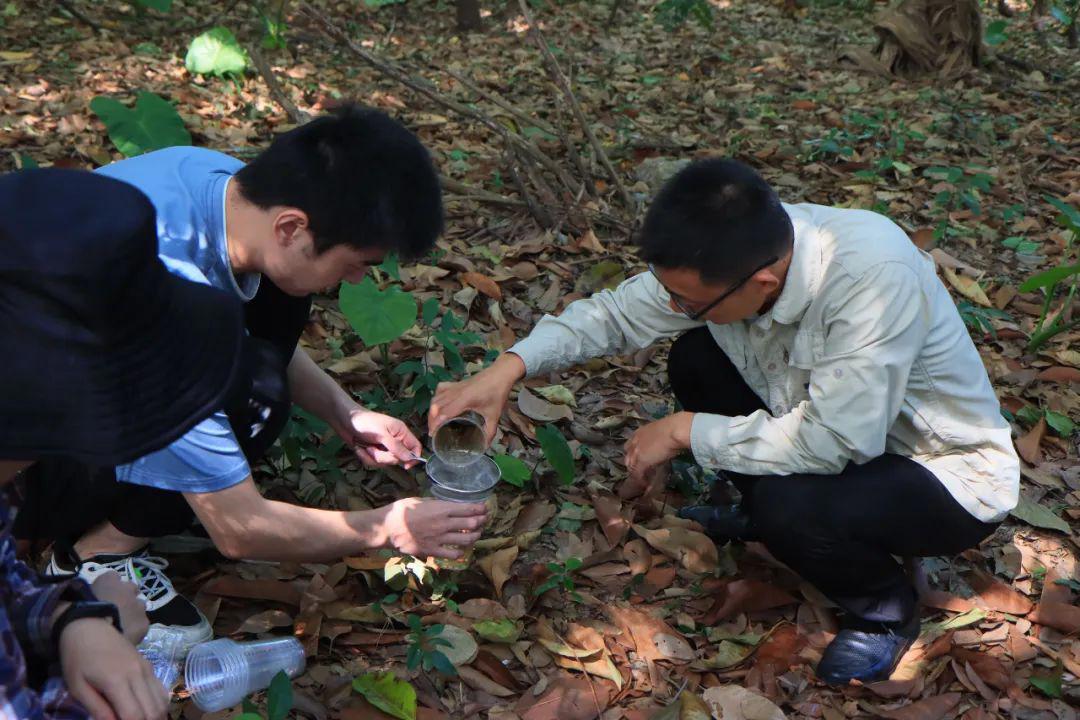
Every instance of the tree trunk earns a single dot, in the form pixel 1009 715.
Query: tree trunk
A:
pixel 921 38
pixel 468 15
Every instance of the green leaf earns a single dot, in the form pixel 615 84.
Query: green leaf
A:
pixel 513 470
pixel 1049 685
pixel 430 310
pixel 387 693
pixel 954 623
pixel 381 3
pixel 1061 424
pixel 390 266
pixel 557 452
pixel 498 631
pixel 151 125
pixel 442 663
pixel 573 564
pixel 377 316
pixel 147 48
pixel 159 5
pixel 279 697
pixel 216 52
pixel 1051 277
pixel 995 33
pixel 1070 216
pixel 1029 414
pixel 1038 515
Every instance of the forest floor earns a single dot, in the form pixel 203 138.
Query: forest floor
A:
pixel 654 616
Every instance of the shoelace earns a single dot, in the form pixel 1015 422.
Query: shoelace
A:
pixel 148 571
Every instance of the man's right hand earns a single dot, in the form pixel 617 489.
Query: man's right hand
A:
pixel 427 527
pixel 486 392
pixel 104 672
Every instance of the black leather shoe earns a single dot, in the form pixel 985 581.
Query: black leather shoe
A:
pixel 722 523
pixel 866 651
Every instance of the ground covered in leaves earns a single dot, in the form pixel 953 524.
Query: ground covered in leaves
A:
pixel 579 603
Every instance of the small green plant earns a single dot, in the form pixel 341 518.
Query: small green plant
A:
pixel 1063 279
pixel 424 644
pixel 1059 423
pixel 216 52
pixel 279 701
pixel 995 33
pixel 274 27
pixel 151 125
pixel 561 576
pixel 673 13
pixel 963 189
pixel 304 442
pixel 978 318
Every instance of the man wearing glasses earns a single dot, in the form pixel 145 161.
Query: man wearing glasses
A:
pixel 822 368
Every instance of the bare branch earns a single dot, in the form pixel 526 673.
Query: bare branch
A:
pixel 276 91
pixel 564 85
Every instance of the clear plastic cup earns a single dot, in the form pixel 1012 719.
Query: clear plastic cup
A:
pixel 221 673
pixel 460 441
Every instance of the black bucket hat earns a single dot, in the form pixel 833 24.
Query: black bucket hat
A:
pixel 106 356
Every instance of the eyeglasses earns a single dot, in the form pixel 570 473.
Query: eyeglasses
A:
pixel 698 314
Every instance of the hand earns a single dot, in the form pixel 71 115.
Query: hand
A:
pixel 111 588
pixel 655 444
pixel 379 440
pixel 437 528
pixel 105 673
pixel 486 392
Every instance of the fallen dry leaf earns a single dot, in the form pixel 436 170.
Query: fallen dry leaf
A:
pixel 642 628
pixel 691 549
pixel 995 595
pixel 614 522
pixel 732 702
pixel 540 410
pixel 933 708
pixel 566 698
pixel 497 566
pixel 275 590
pixel 968 287
pixel 482 283
pixel 1029 446
pixel 745 595
pixel 1060 616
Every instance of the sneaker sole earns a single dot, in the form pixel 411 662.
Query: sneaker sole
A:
pixel 180 640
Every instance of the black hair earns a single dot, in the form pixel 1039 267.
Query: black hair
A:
pixel 362 177
pixel 718 217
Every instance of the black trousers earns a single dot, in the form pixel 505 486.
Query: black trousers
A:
pixel 839 532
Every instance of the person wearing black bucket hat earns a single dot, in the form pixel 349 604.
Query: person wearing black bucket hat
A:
pixel 96 331
pixel 324 202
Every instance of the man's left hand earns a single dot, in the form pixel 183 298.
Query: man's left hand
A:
pixel 655 444
pixel 379 440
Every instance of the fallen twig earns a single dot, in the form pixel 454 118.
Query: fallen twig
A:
pixel 428 91
pixel 564 85
pixel 78 15
pixel 276 91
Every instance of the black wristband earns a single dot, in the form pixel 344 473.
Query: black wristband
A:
pixel 85 609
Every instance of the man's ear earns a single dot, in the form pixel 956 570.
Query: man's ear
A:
pixel 766 280
pixel 289 225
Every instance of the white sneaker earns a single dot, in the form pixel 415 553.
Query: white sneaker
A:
pixel 174 620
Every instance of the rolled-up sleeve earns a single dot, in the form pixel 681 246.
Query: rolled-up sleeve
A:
pixel 633 316
pixel 872 336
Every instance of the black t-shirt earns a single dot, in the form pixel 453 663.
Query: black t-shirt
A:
pixel 279 319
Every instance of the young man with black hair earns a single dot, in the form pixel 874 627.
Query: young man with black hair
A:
pixel 322 204
pixel 822 367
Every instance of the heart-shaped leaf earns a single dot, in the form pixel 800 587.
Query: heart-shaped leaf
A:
pixel 216 52
pixel 377 316
pixel 151 125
